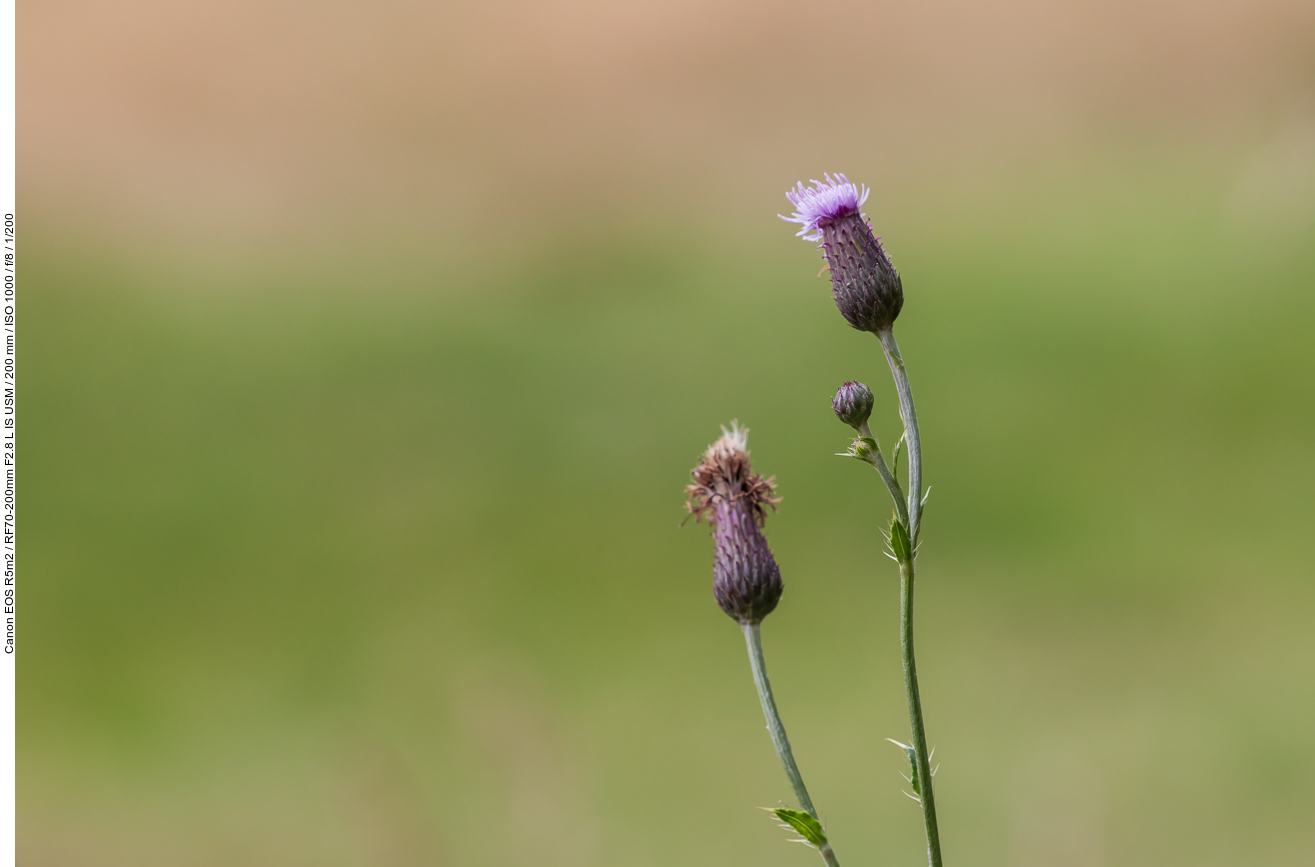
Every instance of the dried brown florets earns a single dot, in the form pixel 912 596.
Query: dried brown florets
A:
pixel 725 475
pixel 746 580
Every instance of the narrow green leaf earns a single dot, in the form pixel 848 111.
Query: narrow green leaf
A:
pixel 808 827
pixel 899 542
pixel 913 765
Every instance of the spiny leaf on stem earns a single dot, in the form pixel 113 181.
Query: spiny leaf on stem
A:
pixel 802 823
pixel 913 764
pixel 899 542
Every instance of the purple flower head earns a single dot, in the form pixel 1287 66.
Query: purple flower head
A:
pixel 865 284
pixel 746 579
pixel 823 203
pixel 853 404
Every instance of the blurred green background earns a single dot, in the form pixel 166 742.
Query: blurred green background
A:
pixel 365 353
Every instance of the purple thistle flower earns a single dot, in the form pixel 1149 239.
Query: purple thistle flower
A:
pixel 824 202
pixel 746 579
pixel 865 284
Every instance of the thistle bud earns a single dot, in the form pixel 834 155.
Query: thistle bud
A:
pixel 865 284
pixel 853 404
pixel 746 579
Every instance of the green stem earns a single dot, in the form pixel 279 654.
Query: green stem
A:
pixel 910 417
pixel 777 730
pixel 928 795
pixel 878 462
pixel 906 571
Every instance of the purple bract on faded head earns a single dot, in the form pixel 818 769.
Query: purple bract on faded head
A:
pixel 824 202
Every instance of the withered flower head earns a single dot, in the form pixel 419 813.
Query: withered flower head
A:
pixel 746 579
pixel 865 284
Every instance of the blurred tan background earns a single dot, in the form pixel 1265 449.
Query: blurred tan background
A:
pixel 278 118
pixel 367 349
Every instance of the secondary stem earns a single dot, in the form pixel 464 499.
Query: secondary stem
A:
pixel 753 639
pixel 878 462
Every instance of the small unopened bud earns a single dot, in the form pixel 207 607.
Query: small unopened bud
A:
pixel 853 404
pixel 746 579
pixel 865 284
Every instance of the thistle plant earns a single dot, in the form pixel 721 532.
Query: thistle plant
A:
pixel 747 585
pixel 726 491
pixel 869 294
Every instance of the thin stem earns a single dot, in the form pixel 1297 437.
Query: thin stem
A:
pixel 910 417
pixel 927 793
pixel 906 571
pixel 777 730
pixel 878 462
